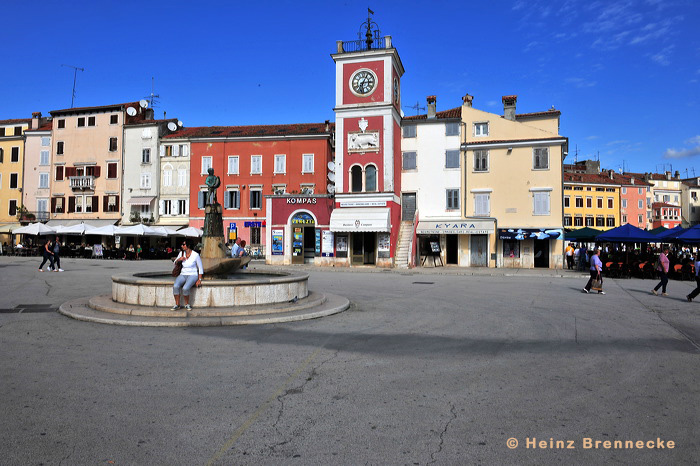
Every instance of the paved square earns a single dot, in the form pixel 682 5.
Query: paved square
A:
pixel 429 367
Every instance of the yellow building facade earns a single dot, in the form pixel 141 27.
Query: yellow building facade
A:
pixel 11 167
pixel 591 200
pixel 512 176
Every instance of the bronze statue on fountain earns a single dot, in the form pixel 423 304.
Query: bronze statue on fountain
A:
pixel 214 252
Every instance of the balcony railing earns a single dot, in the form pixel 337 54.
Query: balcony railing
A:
pixel 82 182
pixel 36 216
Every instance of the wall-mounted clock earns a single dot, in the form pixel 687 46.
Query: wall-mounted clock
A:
pixel 363 82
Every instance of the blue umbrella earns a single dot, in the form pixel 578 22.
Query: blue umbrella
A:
pixel 627 234
pixel 690 235
pixel 672 233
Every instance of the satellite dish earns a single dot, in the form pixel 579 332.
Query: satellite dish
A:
pixel 331 176
pixel 331 166
pixel 179 123
pixel 331 188
pixel 172 126
pixel 143 103
pixel 131 111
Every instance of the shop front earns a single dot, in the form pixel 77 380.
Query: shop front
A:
pixel 530 247
pixel 461 242
pixel 363 236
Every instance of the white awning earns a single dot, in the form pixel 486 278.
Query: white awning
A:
pixel 141 200
pixel 455 227
pixel 350 220
pixel 8 227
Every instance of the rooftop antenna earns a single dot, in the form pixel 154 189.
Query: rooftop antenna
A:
pixel 153 98
pixel 576 154
pixel 75 76
pixel 416 107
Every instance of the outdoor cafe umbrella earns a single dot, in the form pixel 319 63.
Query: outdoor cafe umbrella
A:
pixel 105 230
pixel 190 232
pixel 669 234
pixel 658 230
pixel 627 234
pixel 79 229
pixel 689 236
pixel 585 234
pixel 136 230
pixel 34 229
pixel 163 231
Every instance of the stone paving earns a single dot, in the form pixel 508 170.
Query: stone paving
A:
pixel 441 366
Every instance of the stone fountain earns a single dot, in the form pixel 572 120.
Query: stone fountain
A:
pixel 228 295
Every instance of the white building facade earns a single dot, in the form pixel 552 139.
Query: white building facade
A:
pixel 174 202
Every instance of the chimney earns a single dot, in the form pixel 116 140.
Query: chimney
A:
pixel 431 106
pixel 467 100
pixel 677 175
pixel 509 106
pixel 36 120
pixel 632 179
pixel 328 125
pixel 611 172
pixel 668 175
pixel 164 115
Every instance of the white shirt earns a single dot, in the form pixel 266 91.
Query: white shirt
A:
pixel 191 265
pixel 235 249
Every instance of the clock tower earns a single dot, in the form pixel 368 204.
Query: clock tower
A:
pixel 367 210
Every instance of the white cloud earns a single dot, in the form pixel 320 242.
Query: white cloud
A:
pixel 492 103
pixel 685 152
pixel 591 138
pixel 581 82
pixel 663 57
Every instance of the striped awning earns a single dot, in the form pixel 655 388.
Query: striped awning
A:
pixel 141 200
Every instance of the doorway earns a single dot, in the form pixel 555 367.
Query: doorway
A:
pixel 309 244
pixel 364 248
pixel 542 253
pixel 408 207
pixel 479 250
pixel 452 249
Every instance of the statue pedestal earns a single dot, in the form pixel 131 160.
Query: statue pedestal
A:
pixel 214 253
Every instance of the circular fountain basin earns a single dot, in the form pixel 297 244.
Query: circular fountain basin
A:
pixel 243 288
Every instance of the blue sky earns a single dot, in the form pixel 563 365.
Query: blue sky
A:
pixel 624 73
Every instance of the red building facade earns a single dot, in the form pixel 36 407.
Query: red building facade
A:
pixel 665 215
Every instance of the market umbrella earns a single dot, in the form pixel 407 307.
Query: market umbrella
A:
pixel 136 230
pixel 79 229
pixel 586 234
pixel 34 229
pixel 627 234
pixel 190 232
pixel 106 230
pixel 689 236
pixel 658 230
pixel 669 234
pixel 163 231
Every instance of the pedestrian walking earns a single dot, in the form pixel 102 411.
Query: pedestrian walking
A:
pixel 582 258
pixel 570 256
pixel 596 273
pixel 662 267
pixel 57 255
pixel 696 291
pixel 48 255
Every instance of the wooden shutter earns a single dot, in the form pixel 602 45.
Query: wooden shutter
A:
pixel 227 200
pixel 185 151
pixel 96 203
pixel 105 201
pixel 161 207
pixel 71 204
pixel 53 205
pixel 200 199
pixel 176 150
pixel 116 204
pixel 111 170
pixel 59 173
pixel 162 151
pixel 96 171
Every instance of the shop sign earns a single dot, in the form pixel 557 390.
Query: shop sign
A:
pixel 251 224
pixel 327 243
pixel 303 218
pixel 454 228
pixel 277 242
pixel 363 204
pixel 528 233
pixel 301 200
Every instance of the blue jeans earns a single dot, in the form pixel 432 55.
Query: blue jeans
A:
pixel 188 281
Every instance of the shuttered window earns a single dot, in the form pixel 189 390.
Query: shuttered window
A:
pixel 482 204
pixel 59 173
pixel 233 165
pixel 308 165
pixel 256 164
pixel 540 158
pixel 452 199
pixel 201 199
pixel 232 200
pixel 112 170
pixel 409 160
pixel 280 164
pixel 541 203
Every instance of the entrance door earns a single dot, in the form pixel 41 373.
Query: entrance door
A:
pixel 309 244
pixel 408 206
pixel 542 253
pixel 370 248
pixel 479 251
pixel 358 249
pixel 452 249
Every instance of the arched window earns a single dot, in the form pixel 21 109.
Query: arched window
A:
pixel 370 178
pixel 356 179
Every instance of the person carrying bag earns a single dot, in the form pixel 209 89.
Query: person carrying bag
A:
pixel 596 280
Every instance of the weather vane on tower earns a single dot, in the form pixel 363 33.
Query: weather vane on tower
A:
pixel 370 35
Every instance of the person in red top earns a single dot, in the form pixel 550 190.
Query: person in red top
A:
pixel 662 267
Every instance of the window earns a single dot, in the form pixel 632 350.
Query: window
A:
pixel 610 222
pixel 307 163
pixel 256 164
pixel 624 190
pixel 482 204
pixel 146 156
pixel 599 202
pixel 610 190
pixel 2 155
pixel 624 219
pixel 579 201
pixel 279 189
pixel 2 131
pixel 78 204
pixel 111 170
pixel 167 151
pixel 57 205
pixel 280 164
pixel 13 207
pixel 307 188
pixel 61 124
pixel 112 144
pixel 589 221
pixel 13 180
pixel 409 160
pixel 481 160
pixel 481 129
pixel 81 123
pixel 110 203
pixel 43 180
pixel 611 202
pixel 182 177
pixel 91 121
pixel 578 188
pixel 600 189
pixel 540 158
pixel 232 200
pixel 45 142
pixel 641 191
pixel 599 221
pixel 452 202
pixel 578 221
pixel 44 157
pixel 255 235
pixel 18 130
pixel 409 131
pixel 167 207
pixel 452 129
pixel 182 207
pixel 183 149
pixel 624 203
pixel 15 155
pixel 452 159
pixel 540 202
pixel 640 219
pixel 511 248
pixel 59 172
pixel 59 148
pixel 167 177
pixel 370 178
pixel 206 165
pixel 255 199
pixel 589 202
pixel 567 220
pixel 114 119
pixel 356 179
pixel 640 204
pixel 567 202
pixel 232 165
pixel 145 181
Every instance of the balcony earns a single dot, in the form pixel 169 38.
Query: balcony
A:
pixel 82 182
pixel 30 217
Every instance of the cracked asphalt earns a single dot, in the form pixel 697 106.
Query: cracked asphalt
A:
pixel 424 368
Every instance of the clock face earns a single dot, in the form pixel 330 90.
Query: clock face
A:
pixel 363 82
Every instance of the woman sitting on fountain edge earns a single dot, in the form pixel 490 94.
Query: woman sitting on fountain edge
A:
pixel 190 276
